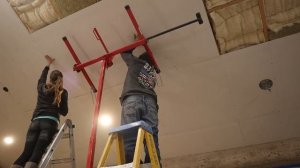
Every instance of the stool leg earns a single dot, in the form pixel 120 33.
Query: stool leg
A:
pixel 138 148
pixel 120 150
pixel 106 150
pixel 152 150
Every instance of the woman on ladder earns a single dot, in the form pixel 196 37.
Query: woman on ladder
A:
pixel 52 101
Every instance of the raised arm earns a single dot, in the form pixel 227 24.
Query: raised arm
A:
pixel 43 78
pixel 128 58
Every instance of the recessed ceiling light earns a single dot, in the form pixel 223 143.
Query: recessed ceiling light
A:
pixel 105 120
pixel 8 140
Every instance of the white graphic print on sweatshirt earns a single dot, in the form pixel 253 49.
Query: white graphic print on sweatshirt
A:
pixel 147 76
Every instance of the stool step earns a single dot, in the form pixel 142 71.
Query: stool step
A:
pixel 129 165
pixel 143 132
pixel 132 127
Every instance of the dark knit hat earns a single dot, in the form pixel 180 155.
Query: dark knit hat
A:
pixel 146 58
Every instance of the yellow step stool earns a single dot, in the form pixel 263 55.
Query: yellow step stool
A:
pixel 144 133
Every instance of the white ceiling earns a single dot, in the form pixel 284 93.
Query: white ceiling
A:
pixel 207 101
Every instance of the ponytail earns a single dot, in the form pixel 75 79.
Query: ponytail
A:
pixel 56 85
pixel 58 90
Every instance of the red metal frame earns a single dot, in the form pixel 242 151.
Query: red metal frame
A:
pixel 106 61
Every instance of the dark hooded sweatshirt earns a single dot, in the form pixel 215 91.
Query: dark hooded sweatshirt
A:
pixel 45 99
pixel 140 77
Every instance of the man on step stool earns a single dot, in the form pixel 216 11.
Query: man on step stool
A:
pixel 139 100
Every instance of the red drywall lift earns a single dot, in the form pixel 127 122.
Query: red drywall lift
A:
pixel 106 61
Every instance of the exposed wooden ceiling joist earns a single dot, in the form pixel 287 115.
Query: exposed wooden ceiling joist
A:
pixel 224 5
pixel 261 5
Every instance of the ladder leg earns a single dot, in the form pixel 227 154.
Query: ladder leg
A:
pixel 138 148
pixel 120 150
pixel 72 146
pixel 106 150
pixel 152 150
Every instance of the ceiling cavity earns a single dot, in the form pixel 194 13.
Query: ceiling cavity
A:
pixel 36 14
pixel 241 23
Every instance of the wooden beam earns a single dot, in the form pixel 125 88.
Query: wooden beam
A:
pixel 261 4
pixel 224 5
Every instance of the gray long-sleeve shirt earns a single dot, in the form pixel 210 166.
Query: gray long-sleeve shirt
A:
pixel 140 77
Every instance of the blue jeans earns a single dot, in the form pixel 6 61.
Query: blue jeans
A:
pixel 136 108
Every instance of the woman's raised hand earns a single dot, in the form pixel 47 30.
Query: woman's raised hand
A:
pixel 49 59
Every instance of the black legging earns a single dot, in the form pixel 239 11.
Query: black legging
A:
pixel 39 136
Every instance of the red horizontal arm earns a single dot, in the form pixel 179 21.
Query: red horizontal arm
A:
pixel 111 54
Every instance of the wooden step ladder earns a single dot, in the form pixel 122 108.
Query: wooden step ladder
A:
pixel 144 132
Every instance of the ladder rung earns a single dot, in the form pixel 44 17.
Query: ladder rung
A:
pixel 64 160
pixel 129 165
pixel 66 136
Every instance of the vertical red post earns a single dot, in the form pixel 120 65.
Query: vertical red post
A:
pixel 91 150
